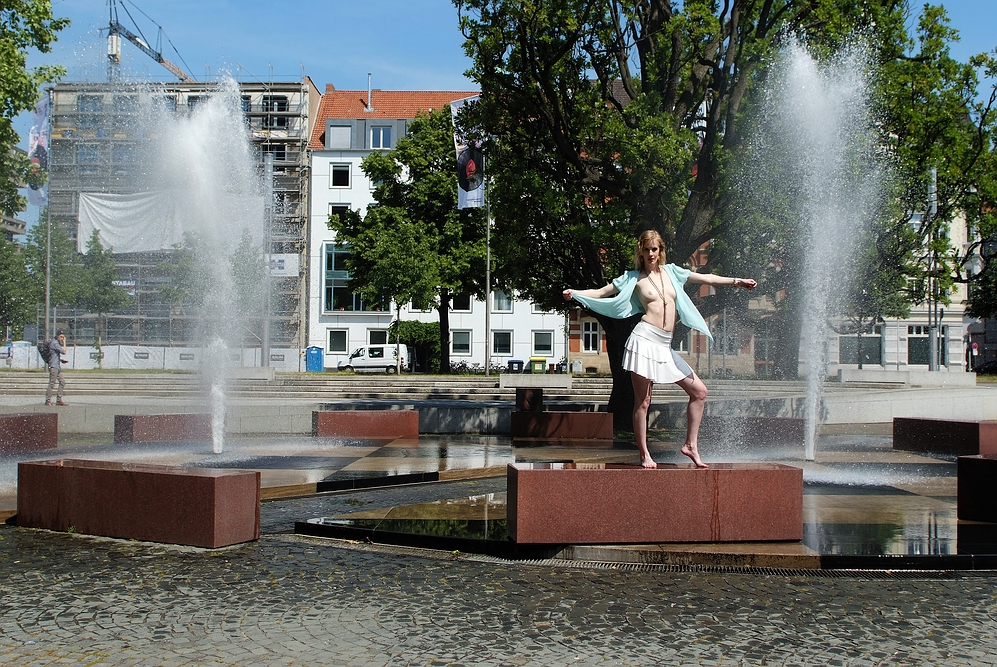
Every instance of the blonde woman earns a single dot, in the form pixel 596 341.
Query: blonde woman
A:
pixel 654 288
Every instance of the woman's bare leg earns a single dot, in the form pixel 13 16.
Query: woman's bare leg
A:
pixel 697 392
pixel 642 401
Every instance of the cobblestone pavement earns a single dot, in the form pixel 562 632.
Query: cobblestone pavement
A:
pixel 289 600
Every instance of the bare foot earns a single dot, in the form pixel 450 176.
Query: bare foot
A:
pixel 692 451
pixel 648 462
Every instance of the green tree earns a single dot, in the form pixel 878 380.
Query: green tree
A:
pixel 98 293
pixel 65 262
pixel 24 25
pixel 414 244
pixel 249 285
pixel 604 118
pixel 18 293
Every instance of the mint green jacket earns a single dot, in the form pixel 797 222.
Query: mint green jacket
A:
pixel 627 303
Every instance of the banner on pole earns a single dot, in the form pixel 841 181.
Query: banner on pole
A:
pixel 38 151
pixel 470 163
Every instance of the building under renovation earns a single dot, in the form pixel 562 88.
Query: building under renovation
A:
pixel 100 134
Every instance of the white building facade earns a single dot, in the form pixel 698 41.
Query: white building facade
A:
pixel 350 125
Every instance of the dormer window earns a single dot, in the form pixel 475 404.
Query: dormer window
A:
pixel 380 136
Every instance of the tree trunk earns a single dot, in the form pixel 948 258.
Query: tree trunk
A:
pixel 621 400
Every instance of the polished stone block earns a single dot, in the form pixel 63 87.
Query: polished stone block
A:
pixel 562 425
pixel 756 431
pixel 945 436
pixel 530 399
pixel 201 507
pixel 977 494
pixel 565 503
pixel 162 428
pixel 30 432
pixel 365 423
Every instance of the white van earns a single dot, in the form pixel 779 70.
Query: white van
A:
pixel 375 358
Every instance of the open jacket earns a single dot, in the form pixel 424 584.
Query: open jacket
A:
pixel 627 303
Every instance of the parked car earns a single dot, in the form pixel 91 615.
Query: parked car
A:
pixel 375 358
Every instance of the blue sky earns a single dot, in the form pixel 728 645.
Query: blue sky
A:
pixel 403 44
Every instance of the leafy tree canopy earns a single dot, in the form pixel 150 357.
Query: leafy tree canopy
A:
pixel 24 24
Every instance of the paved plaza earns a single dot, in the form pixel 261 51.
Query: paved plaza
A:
pixel 289 600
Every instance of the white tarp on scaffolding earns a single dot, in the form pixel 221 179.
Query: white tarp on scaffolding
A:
pixel 150 221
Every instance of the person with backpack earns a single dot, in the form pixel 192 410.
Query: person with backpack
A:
pixel 56 382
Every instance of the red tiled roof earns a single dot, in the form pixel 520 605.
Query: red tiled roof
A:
pixel 393 104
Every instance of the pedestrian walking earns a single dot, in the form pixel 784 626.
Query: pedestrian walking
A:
pixel 56 382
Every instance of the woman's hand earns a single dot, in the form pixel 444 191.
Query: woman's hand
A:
pixel 746 283
pixel 566 294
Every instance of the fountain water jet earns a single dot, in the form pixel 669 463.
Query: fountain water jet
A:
pixel 814 154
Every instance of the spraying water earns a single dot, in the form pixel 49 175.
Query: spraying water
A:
pixel 204 160
pixel 814 154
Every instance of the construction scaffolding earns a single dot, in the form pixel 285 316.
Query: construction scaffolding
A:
pixel 96 147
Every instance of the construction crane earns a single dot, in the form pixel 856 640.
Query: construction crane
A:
pixel 116 31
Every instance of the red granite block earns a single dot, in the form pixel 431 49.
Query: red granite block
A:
pixel 199 507
pixel 564 503
pixel 530 399
pixel 30 432
pixel 976 496
pixel 945 436
pixel 162 428
pixel 758 431
pixel 562 425
pixel 365 423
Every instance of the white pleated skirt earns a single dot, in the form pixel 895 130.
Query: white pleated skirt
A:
pixel 649 353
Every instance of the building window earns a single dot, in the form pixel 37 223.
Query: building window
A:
pixel 339 176
pixel 380 137
pixel 501 302
pixel 88 158
pixel 590 337
pixel 537 310
pixel 275 104
pixel 337 341
pixel 543 343
pixel 681 344
pixel 919 346
pixel 338 209
pixel 279 151
pixel 502 342
pixel 864 349
pixel 460 342
pixel 377 337
pixel 339 136
pixel 336 293
pixel 461 303
pixel 89 107
pixel 122 153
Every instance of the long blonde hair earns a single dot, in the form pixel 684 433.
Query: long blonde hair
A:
pixel 649 237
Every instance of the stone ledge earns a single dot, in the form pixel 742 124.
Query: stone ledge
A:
pixel 30 432
pixel 199 507
pixel 562 425
pixel 162 428
pixel 547 380
pixel 944 436
pixel 564 503
pixel 365 423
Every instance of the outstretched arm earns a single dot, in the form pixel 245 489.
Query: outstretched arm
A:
pixel 601 293
pixel 714 279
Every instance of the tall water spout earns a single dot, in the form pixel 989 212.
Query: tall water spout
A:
pixel 203 162
pixel 814 153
